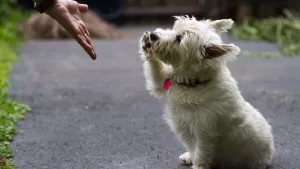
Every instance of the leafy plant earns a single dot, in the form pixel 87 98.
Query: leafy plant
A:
pixel 285 31
pixel 10 110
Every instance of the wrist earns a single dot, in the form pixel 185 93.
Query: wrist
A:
pixel 37 1
pixel 56 10
pixel 51 11
pixel 44 5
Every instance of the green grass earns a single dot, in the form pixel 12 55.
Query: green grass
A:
pixel 284 31
pixel 10 110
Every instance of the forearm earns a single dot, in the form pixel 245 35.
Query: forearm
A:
pixel 37 1
pixel 44 5
pixel 156 73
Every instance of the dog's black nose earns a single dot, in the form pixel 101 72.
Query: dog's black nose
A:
pixel 153 36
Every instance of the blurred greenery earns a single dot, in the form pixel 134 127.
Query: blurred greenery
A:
pixel 10 110
pixel 285 31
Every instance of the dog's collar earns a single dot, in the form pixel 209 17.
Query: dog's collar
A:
pixel 191 83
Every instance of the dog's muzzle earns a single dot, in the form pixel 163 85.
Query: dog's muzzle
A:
pixel 153 37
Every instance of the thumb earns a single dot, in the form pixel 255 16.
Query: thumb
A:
pixel 83 8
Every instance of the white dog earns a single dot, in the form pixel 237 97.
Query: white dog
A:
pixel 186 67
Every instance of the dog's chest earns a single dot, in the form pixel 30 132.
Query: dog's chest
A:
pixel 184 116
pixel 186 110
pixel 177 117
pixel 183 95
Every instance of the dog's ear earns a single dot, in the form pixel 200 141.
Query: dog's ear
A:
pixel 222 25
pixel 214 50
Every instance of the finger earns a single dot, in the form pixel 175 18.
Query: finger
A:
pixel 89 41
pixel 85 31
pixel 83 8
pixel 86 35
pixel 88 48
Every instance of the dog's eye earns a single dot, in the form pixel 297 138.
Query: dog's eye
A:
pixel 178 38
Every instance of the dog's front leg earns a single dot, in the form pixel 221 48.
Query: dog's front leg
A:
pixel 156 72
pixel 204 153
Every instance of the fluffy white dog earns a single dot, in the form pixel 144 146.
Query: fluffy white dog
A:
pixel 186 67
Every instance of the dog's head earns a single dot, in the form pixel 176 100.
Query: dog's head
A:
pixel 191 42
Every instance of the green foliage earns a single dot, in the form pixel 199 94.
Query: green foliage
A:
pixel 261 55
pixel 10 17
pixel 285 31
pixel 10 110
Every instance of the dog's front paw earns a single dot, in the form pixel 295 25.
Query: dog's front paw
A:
pixel 146 42
pixel 186 158
pixel 147 47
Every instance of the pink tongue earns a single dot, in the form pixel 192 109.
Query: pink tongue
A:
pixel 167 84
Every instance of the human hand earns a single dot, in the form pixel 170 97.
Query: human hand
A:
pixel 67 14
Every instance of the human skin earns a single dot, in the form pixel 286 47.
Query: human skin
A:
pixel 67 14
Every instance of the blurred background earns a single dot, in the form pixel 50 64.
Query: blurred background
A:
pixel 138 11
pixel 275 21
pixel 266 20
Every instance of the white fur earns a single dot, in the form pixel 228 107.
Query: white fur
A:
pixel 212 120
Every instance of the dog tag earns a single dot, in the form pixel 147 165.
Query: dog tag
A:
pixel 167 84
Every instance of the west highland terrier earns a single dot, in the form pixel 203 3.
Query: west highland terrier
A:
pixel 186 67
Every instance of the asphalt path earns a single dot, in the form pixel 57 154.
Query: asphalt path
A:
pixel 97 114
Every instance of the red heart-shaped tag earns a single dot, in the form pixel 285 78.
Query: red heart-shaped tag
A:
pixel 167 84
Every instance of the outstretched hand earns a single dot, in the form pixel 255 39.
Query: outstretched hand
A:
pixel 67 14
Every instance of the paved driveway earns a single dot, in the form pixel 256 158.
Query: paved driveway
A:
pixel 97 114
